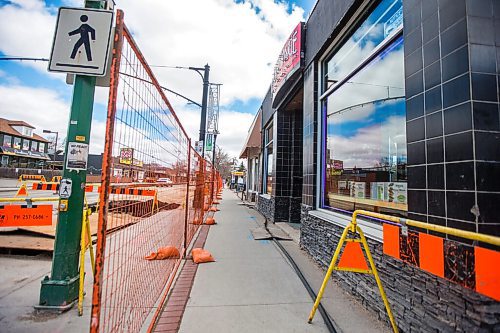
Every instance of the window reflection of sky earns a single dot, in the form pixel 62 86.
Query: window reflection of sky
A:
pixel 368 36
pixel 366 115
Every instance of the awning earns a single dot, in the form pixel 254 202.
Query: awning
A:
pixel 253 142
pixel 24 153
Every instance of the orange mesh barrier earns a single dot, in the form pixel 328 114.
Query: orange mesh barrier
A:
pixel 152 190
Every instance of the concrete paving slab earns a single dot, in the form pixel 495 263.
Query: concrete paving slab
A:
pixel 250 319
pixel 250 287
pixel 19 292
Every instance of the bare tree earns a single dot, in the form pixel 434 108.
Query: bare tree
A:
pixel 223 163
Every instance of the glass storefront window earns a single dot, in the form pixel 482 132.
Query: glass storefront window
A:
pixel 41 147
pixel 268 152
pixel 26 144
pixel 17 143
pixel 34 146
pixel 7 141
pixel 364 154
pixel 382 22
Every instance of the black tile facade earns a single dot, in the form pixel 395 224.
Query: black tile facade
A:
pixel 454 108
pixel 310 136
pixel 453 148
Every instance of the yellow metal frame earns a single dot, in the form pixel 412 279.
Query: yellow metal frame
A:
pixel 444 230
pixel 354 228
pixel 29 199
pixel 83 248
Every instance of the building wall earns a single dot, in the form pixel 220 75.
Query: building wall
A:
pixel 284 204
pixel 452 61
pixel 323 21
pixel 420 302
pixel 310 136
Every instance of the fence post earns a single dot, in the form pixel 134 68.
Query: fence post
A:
pixel 187 198
pixel 106 174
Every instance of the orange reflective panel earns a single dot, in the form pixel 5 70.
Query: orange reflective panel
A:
pixel 353 257
pixel 431 254
pixel 487 272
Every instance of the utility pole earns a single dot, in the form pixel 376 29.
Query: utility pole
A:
pixel 204 102
pixel 61 290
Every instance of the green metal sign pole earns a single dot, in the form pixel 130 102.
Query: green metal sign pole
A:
pixel 61 289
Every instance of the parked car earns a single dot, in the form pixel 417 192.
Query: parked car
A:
pixel 167 181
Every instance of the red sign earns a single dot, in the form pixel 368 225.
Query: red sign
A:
pixel 21 216
pixel 289 59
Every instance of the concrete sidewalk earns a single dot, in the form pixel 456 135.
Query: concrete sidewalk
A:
pixel 252 287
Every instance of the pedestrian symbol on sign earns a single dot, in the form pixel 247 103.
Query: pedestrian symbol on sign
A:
pixel 84 30
pixel 65 188
pixel 81 41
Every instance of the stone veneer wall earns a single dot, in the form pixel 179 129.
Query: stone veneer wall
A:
pixel 266 207
pixel 420 302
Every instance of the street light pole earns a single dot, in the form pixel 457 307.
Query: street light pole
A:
pixel 204 102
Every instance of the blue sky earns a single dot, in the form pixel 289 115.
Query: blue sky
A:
pixel 244 51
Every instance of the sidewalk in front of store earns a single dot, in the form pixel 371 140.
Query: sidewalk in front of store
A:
pixel 253 288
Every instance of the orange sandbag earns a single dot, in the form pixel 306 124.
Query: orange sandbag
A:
pixel 200 256
pixel 210 221
pixel 196 221
pixel 167 252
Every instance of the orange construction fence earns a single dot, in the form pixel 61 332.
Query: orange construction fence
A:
pixel 145 142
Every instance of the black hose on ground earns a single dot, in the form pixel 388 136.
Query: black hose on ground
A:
pixel 328 322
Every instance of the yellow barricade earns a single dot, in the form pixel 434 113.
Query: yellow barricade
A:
pixel 23 178
pixel 353 260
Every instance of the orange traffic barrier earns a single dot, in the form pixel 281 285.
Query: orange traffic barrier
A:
pixel 45 186
pixel 56 179
pixel 32 177
pixel 22 216
pixel 22 191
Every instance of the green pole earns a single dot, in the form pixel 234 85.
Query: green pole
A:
pixel 61 289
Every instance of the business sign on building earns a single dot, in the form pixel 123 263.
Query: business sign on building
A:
pixel 289 60
pixel 126 156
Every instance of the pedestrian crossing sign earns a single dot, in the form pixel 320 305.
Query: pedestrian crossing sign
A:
pixel 81 41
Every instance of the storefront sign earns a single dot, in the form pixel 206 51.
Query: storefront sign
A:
pixel 394 22
pixel 126 156
pixel 288 60
pixel 209 142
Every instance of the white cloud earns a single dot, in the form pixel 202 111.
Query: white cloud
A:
pixel 240 45
pixel 370 144
pixel 44 109
pixel 26 29
pixel 40 107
